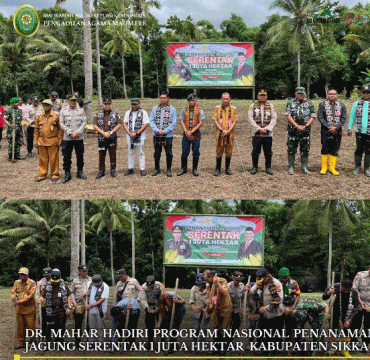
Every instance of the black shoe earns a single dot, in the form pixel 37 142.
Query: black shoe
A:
pixel 227 166
pixel 182 172
pixel 100 174
pixel 30 154
pixel 40 179
pixel 142 172
pixel 195 166
pixel 129 172
pixel 54 179
pixel 113 173
pixel 269 171
pixel 254 171
pixel 169 173
pixel 218 167
pixel 228 171
pixel 20 157
pixel 195 172
pixel 156 172
pixel 81 175
pixel 12 161
pixel 18 347
pixel 217 172
pixel 67 177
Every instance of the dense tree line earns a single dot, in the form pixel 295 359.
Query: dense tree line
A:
pixel 297 235
pixel 133 59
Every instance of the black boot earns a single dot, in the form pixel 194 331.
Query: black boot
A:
pixel 67 177
pixel 169 165
pixel 195 166
pixel 81 175
pixel 218 167
pixel 184 166
pixel 255 165
pixel 268 165
pixel 227 166
pixel 156 164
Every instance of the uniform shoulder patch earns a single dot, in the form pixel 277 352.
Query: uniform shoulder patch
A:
pixel 17 280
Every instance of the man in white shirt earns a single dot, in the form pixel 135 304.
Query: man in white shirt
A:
pixel 97 295
pixel 135 123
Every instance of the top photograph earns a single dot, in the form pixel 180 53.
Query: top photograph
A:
pixel 149 99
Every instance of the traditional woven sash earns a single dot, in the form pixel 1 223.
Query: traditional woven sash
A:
pixel 191 123
pixel 359 111
pixel 331 118
pixel 111 125
pixel 266 114
pixel 99 291
pixel 225 123
pixel 138 124
pixel 48 296
pixel 275 302
pixel 166 116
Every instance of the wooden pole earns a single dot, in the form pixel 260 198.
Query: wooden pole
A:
pixel 245 304
pixel 128 311
pixel 173 304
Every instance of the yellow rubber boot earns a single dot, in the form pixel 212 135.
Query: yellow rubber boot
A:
pixel 332 163
pixel 324 164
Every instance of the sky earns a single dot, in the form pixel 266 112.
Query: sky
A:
pixel 253 12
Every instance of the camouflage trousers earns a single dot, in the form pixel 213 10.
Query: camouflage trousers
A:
pixel 295 138
pixel 18 141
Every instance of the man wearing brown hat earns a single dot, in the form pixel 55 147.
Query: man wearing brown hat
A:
pixel 300 114
pixel 135 123
pixel 48 137
pixel 73 122
pixel 360 114
pixel 107 122
pixel 23 296
pixel 262 116
pixel 237 293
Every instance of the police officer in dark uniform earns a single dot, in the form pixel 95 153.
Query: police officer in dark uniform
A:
pixel 178 243
pixel 180 69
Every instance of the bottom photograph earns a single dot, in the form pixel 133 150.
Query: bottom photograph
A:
pixel 144 279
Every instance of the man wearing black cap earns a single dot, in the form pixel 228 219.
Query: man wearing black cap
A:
pixel 191 117
pixel 360 114
pixel 242 69
pixel 41 285
pixel 30 118
pixel 150 292
pixel 237 293
pixel 300 114
pixel 57 298
pixel 178 243
pixel 80 102
pixel 107 122
pixel 78 288
pixel 135 123
pixel 262 116
pixel 97 295
pixel 162 121
pixel 250 246
pixel 56 102
pixel 73 121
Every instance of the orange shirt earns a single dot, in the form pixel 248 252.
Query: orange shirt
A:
pixel 25 294
pixel 47 130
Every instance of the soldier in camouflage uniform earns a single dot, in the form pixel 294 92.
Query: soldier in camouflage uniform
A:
pixel 13 119
pixel 150 292
pixel 79 286
pixel 300 114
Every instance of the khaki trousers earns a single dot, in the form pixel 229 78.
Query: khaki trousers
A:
pixel 24 321
pixel 48 154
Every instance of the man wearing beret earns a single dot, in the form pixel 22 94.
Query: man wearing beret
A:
pixel 23 296
pixel 237 293
pixel 135 123
pixel 13 119
pixel 300 114
pixel 163 121
pixel 48 137
pixel 106 123
pixel 73 121
pixel 270 294
pixel 360 115
pixel 78 288
pixel 191 117
pixel 332 115
pixel 262 116
pixel 30 115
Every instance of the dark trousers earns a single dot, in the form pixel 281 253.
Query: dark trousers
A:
pixel 258 142
pixel 112 156
pixel 357 322
pixel 159 145
pixel 79 318
pixel 1 135
pixel 30 131
pixel 56 322
pixel 186 144
pixel 43 325
pixel 275 323
pixel 150 320
pixel 67 148
pixel 235 321
pixel 132 323
pixel 290 324
pixel 330 144
pixel 362 144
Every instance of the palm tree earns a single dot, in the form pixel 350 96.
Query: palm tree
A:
pixel 122 41
pixel 98 70
pixel 87 59
pixel 75 237
pixel 141 7
pixel 360 36
pixel 45 221
pixel 58 2
pixel 328 210
pixel 292 28
pixel 112 216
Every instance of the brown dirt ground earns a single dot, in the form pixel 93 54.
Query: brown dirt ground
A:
pixel 18 179
pixel 7 336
